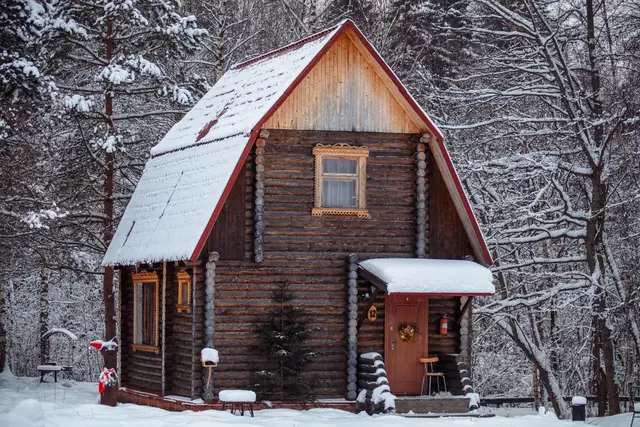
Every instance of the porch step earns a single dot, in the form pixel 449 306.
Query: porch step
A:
pixel 460 415
pixel 432 405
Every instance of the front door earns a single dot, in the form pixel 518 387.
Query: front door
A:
pixel 401 353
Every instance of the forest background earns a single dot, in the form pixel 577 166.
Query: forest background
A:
pixel 539 101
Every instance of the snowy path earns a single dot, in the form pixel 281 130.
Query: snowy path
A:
pixel 26 403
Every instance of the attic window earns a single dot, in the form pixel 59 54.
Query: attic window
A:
pixel 184 292
pixel 145 312
pixel 340 180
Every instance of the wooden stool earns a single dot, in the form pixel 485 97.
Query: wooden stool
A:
pixel 430 373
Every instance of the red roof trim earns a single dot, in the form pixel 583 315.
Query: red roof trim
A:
pixel 465 201
pixel 223 198
pixel 284 49
pixel 435 131
pixel 443 294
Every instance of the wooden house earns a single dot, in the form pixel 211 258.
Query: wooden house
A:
pixel 310 165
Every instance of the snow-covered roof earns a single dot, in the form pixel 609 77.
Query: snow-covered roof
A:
pixel 431 276
pixel 192 169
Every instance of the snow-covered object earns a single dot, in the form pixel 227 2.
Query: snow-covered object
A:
pixel 49 368
pixel 474 400
pixel 578 400
pixel 382 393
pixel 370 356
pixel 100 345
pixel 60 331
pixel 209 355
pixel 237 396
pixel 431 276
pixel 362 396
pixel 108 377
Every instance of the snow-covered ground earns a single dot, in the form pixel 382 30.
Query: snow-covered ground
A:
pixel 24 402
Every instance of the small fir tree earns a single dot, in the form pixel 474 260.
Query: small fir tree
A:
pixel 282 341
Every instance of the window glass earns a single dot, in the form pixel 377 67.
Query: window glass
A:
pixel 184 293
pixel 338 193
pixel 344 166
pixel 145 314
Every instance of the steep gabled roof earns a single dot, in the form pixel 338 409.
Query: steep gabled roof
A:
pixel 192 169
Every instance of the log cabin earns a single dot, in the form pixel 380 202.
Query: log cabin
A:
pixel 309 165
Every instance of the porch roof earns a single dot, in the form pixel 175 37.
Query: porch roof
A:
pixel 431 276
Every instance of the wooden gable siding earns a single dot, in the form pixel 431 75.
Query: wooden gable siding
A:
pixel 345 91
pixel 228 235
pixel 448 238
pixel 310 253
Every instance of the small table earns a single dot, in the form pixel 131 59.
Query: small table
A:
pixel 47 369
pixel 237 400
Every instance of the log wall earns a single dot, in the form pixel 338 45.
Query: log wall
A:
pixel 143 370
pixel 310 253
pixel 140 369
pixel 448 237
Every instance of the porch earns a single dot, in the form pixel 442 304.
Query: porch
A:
pixel 416 309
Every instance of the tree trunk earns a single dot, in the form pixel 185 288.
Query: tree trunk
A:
pixel 595 229
pixel 110 357
pixel 3 331
pixel 541 361
pixel 43 320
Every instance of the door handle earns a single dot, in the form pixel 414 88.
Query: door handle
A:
pixel 393 344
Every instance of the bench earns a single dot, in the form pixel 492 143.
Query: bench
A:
pixel 237 400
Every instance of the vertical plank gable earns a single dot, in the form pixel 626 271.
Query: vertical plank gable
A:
pixel 345 91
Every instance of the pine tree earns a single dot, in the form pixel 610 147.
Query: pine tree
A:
pixel 426 46
pixel 282 341
pixel 21 80
pixel 109 58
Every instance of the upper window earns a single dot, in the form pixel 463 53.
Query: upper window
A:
pixel 145 312
pixel 340 187
pixel 184 292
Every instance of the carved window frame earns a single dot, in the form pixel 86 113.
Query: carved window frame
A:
pixel 347 152
pixel 146 277
pixel 183 277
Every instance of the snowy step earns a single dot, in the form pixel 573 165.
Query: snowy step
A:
pixel 429 404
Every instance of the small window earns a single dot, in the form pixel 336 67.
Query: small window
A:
pixel 340 180
pixel 184 292
pixel 145 312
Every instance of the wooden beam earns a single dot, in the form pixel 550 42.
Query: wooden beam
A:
pixel 465 308
pixel 375 280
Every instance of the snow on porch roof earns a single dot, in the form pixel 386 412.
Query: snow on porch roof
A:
pixel 193 168
pixel 431 276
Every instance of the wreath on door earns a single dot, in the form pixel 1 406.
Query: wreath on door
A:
pixel 407 332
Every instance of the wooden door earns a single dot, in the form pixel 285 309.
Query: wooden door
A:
pixel 402 358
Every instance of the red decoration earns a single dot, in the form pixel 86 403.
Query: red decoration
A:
pixel 107 377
